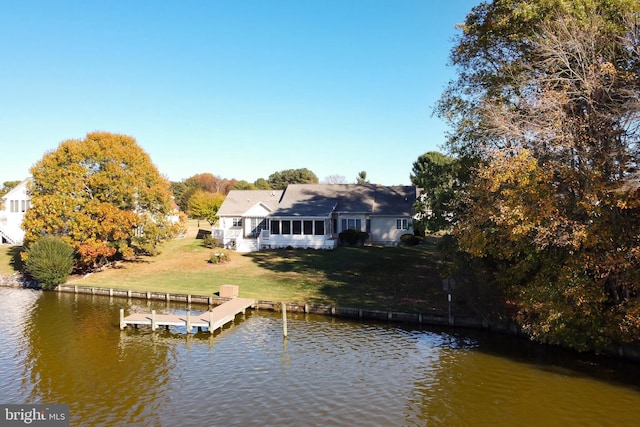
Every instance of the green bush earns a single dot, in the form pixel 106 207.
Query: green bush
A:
pixel 209 242
pixel 49 260
pixel 353 237
pixel 219 257
pixel 410 239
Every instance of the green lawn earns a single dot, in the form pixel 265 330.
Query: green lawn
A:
pixel 393 278
pixel 10 259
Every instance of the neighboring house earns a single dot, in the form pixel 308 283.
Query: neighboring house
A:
pixel 14 204
pixel 313 215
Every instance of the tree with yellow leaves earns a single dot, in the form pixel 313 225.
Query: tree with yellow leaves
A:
pixel 102 195
pixel 546 108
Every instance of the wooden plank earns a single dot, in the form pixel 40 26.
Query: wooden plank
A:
pixel 212 319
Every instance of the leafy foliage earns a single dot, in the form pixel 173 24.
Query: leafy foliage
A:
pixel 433 173
pixel 280 180
pixel 362 178
pixel 210 242
pixel 545 110
pixel 351 237
pixel 205 205
pixel 102 195
pixel 219 257
pixel 49 260
pixel 206 182
pixel 409 239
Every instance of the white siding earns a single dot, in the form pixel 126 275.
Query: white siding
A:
pixel 384 231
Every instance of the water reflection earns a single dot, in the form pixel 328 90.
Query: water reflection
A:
pixel 65 348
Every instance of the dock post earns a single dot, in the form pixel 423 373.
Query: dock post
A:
pixel 210 321
pixel 122 324
pixel 188 321
pixel 284 319
pixel 153 320
pixel 188 298
pixel 168 297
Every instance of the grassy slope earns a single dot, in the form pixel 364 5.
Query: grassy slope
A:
pixel 10 259
pixel 399 278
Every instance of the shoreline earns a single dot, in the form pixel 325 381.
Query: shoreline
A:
pixel 630 352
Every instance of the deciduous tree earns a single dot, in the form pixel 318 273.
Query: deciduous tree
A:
pixel 205 205
pixel 335 179
pixel 280 180
pixel 433 173
pixel 102 195
pixel 546 109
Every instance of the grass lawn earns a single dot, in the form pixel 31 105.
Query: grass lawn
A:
pixel 10 259
pixel 393 278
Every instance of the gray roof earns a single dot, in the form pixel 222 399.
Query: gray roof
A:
pixel 320 200
pixel 238 202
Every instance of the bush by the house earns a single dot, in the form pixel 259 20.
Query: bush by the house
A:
pixel 353 237
pixel 49 260
pixel 410 239
pixel 219 257
pixel 209 242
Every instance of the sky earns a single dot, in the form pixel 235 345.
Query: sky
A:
pixel 240 89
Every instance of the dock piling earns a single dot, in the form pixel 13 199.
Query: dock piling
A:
pixel 153 320
pixel 284 319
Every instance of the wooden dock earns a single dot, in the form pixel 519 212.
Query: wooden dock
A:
pixel 213 319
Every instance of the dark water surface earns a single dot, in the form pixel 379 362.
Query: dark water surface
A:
pixel 65 348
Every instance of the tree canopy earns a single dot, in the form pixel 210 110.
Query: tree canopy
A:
pixel 206 182
pixel 103 196
pixel 280 180
pixel 433 173
pixel 205 205
pixel 362 178
pixel 545 110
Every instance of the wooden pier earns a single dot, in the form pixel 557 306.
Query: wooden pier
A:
pixel 213 319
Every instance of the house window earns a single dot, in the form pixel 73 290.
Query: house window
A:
pixel 23 206
pixel 257 225
pixel 402 224
pixel 319 228
pixel 351 223
pixel 275 227
pixel 237 222
pixel 297 226
pixel 308 227
pixel 286 227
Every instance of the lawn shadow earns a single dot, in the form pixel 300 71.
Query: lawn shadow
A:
pixel 395 278
pixel 16 260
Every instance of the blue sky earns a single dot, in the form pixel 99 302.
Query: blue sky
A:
pixel 240 89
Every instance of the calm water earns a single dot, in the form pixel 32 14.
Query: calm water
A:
pixel 64 348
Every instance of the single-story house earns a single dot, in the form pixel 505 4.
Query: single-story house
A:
pixel 313 215
pixel 14 204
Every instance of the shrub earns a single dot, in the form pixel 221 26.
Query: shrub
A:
pixel 219 257
pixel 410 239
pixel 209 242
pixel 353 237
pixel 49 260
